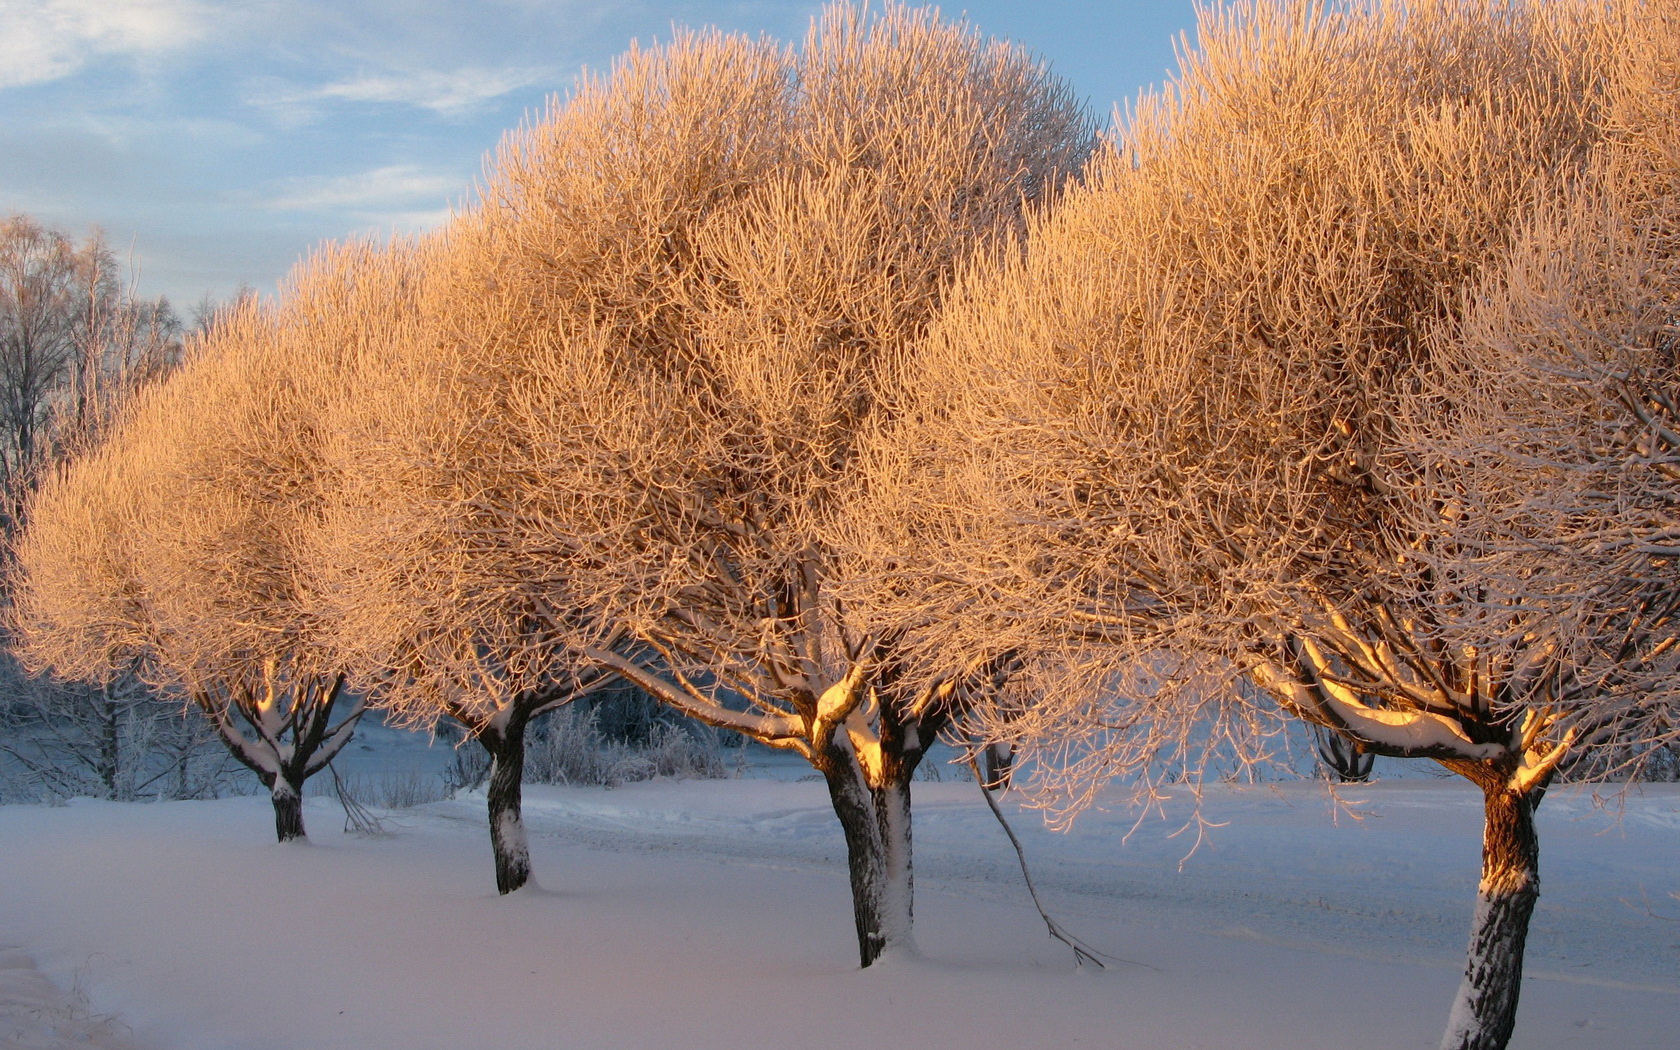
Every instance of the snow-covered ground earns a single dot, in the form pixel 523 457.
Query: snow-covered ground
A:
pixel 715 914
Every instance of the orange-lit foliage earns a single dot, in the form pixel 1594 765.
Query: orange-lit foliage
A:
pixel 1176 417
pixel 1563 454
pixel 1181 429
pixel 653 347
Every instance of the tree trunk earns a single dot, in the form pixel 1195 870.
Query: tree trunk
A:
pixel 999 766
pixel 505 793
pixel 892 816
pixel 876 822
pixel 1486 1008
pixel 110 745
pixel 288 809
pixel 1342 756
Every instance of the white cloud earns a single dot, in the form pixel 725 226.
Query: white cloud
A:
pixel 44 40
pixel 389 193
pixel 448 94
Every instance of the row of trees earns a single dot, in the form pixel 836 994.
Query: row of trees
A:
pixel 74 341
pixel 845 395
pixel 662 332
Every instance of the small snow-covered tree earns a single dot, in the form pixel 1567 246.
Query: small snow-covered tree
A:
pixel 175 545
pixel 411 568
pixel 1178 445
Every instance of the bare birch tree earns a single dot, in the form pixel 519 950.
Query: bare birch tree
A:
pixel 48 284
pixel 74 343
pixel 175 545
pixel 683 297
pixel 1173 432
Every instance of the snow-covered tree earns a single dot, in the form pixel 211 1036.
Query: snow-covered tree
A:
pixel 117 739
pixel 74 347
pixel 1176 463
pixel 429 613
pixel 1563 457
pixel 684 296
pixel 175 545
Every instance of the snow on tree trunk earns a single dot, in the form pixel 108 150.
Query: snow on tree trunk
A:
pixel 508 842
pixel 898 884
pixel 1485 1010
pixel 876 822
pixel 288 809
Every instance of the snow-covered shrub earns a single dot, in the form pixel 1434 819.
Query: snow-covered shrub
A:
pixel 469 769
pixel 686 754
pixel 396 789
pixel 572 749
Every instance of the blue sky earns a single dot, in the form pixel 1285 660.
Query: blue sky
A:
pixel 215 142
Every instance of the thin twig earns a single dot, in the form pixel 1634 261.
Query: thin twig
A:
pixel 1644 905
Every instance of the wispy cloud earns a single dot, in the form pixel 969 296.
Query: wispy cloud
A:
pixel 447 94
pixel 400 193
pixel 450 94
pixel 44 40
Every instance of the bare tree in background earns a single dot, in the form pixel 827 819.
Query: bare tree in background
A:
pixel 175 544
pixel 660 336
pixel 1181 434
pixel 118 739
pixel 73 341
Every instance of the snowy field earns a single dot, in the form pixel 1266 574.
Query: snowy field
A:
pixel 678 915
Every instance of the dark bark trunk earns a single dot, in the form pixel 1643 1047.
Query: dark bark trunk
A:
pixel 999 766
pixel 110 748
pixel 1343 757
pixel 505 794
pixel 892 817
pixel 876 822
pixel 288 809
pixel 306 723
pixel 852 804
pixel 1485 1011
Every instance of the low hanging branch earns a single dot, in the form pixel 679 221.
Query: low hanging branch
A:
pixel 1082 952
pixel 358 819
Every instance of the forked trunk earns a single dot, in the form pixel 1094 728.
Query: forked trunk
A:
pixel 288 808
pixel 1485 1011
pixel 505 793
pixel 283 766
pixel 876 821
